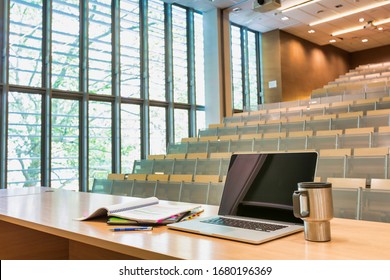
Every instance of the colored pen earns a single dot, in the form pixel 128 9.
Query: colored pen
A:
pixel 131 228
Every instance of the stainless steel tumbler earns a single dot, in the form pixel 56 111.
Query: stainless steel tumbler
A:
pixel 313 203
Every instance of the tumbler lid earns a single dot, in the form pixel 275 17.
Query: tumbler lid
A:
pixel 314 185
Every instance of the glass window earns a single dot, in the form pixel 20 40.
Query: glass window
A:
pixel 130 49
pixel 156 50
pixel 130 136
pixel 65 45
pixel 27 147
pixel 179 49
pixel 158 130
pixel 199 59
pixel 24 140
pixel 237 85
pixel 245 73
pixel 252 70
pixel 100 137
pixel 201 120
pixel 25 43
pixel 181 124
pixel 65 144
pixel 99 52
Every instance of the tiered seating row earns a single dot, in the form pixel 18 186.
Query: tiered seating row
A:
pixel 306 112
pixel 352 203
pixel 368 137
pixel 203 193
pixel 190 169
pixel 376 119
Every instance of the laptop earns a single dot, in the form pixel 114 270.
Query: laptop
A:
pixel 256 203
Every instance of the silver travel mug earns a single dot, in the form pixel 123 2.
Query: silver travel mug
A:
pixel 313 203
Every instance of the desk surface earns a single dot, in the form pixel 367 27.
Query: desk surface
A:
pixel 53 212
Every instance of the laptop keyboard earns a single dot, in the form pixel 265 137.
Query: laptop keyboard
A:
pixel 243 224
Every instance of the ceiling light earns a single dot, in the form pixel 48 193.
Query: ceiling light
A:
pixel 300 5
pixel 332 41
pixel 285 18
pixel 370 24
pixel 380 22
pixel 380 28
pixel 351 12
pixel 361 19
pixel 356 28
pixel 236 10
pixel 311 31
pixel 365 40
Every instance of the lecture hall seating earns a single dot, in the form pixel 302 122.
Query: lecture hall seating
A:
pixel 347 122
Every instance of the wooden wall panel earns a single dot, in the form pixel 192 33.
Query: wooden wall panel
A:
pixel 307 66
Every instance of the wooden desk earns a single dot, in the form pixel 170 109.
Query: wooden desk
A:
pixel 40 225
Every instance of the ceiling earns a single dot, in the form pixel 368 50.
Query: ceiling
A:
pixel 241 12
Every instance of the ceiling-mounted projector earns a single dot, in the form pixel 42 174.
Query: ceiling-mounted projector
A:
pixel 263 6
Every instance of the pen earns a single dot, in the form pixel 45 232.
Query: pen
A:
pixel 131 228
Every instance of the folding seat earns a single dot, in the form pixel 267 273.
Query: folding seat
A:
pixel 168 190
pixel 144 189
pixel 122 187
pixel 375 204
pixel 143 166
pixel 102 186
pixel 194 192
pixel 356 138
pixel 368 163
pixel 332 162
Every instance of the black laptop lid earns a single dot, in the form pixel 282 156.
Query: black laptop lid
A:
pixel 261 185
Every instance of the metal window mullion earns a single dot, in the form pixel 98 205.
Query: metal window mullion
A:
pixel 46 97
pixel 144 68
pixel 83 84
pixel 115 69
pixel 191 71
pixel 244 68
pixel 4 28
pixel 258 68
pixel 169 90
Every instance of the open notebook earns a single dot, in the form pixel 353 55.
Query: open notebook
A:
pixel 256 204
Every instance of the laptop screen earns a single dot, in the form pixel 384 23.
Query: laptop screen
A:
pixel 261 185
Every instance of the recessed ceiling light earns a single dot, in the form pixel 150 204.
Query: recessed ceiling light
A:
pixel 361 19
pixel 285 18
pixel 299 5
pixel 356 28
pixel 380 28
pixel 332 41
pixel 365 40
pixel 311 31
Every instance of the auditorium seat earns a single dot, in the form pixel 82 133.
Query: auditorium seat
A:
pixel 356 138
pixel 144 189
pixel 181 177
pixel 347 182
pixel 194 192
pixel 168 190
pixel 115 176
pixel 158 177
pixel 368 163
pixel 380 184
pixel 375 205
pixel 137 176
pixel 102 186
pixel 207 178
pixel 164 166
pixel 332 162
pixel 122 187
